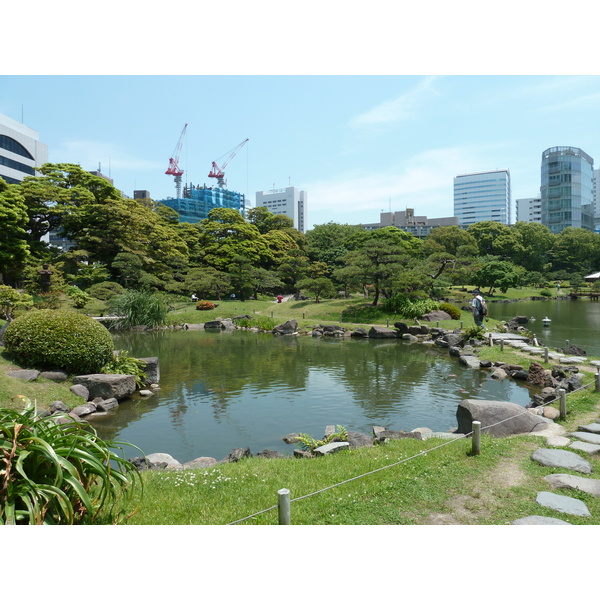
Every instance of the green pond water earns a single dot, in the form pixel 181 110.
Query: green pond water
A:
pixel 225 390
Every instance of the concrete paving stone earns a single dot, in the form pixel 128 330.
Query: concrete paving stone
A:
pixel 562 459
pixel 558 440
pixel 574 482
pixel 590 438
pixel 538 520
pixel 590 428
pixel 564 504
pixel 586 447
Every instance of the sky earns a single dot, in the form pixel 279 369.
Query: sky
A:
pixel 358 144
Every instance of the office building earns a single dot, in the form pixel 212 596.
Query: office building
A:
pixel 406 220
pixel 483 196
pixel 198 201
pixel 567 176
pixel 289 201
pixel 529 210
pixel 20 150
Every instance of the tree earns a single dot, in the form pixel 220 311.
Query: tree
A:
pixel 450 239
pixel 329 242
pixel 14 248
pixel 207 282
pixel 321 287
pixel 496 239
pixel 537 241
pixel 495 273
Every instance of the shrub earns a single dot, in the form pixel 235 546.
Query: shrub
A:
pixel 546 293
pixel 77 296
pixel 106 290
pixel 53 474
pixel 451 309
pixel 265 323
pixel 307 442
pixel 139 308
pixel 204 305
pixel 410 309
pixel 10 300
pixel 59 339
pixel 123 364
pixel 474 332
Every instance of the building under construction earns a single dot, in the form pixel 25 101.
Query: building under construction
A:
pixel 198 201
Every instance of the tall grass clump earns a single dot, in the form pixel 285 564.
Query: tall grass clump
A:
pixel 408 308
pixel 138 307
pixel 260 322
pixel 60 474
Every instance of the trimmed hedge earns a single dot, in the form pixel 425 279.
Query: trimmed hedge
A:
pixel 59 339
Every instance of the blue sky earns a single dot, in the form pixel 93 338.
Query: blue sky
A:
pixel 357 144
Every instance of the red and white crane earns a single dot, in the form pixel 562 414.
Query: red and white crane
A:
pixel 219 171
pixel 173 163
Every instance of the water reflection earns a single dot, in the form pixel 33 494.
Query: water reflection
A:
pixel 222 390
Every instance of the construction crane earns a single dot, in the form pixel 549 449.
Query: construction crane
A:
pixel 173 163
pixel 219 171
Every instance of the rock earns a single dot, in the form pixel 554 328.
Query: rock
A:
pixel 270 454
pixel 302 454
pixel 550 412
pixel 401 327
pixel 499 373
pixel 574 482
pixel 356 439
pixel 291 438
pixel 590 428
pixel 54 375
pixel 106 405
pixel 151 370
pixel 146 393
pixel 84 409
pixel 454 351
pixel 537 520
pixel 330 448
pixel 381 436
pixel 557 440
pixel 586 447
pixel 216 324
pixel 287 328
pixel 24 374
pixel 360 332
pixel 590 438
pixel 537 375
pixel 81 391
pixel 563 504
pixel 521 374
pixel 562 459
pixel 141 463
pixel 237 454
pixel 58 406
pixel 107 385
pixel 436 315
pixel 470 361
pixel 382 332
pixel 202 462
pixel 159 458
pixel 497 418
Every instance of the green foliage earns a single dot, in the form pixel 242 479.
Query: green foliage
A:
pixel 59 474
pixel 308 442
pixel 264 323
pixel 137 307
pixel 546 293
pixel 61 339
pixel 48 300
pixel 451 309
pixel 474 332
pixel 106 290
pixel 407 308
pixel 78 297
pixel 123 364
pixel 205 305
pixel 321 287
pixel 11 300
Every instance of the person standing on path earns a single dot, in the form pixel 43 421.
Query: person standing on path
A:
pixel 478 307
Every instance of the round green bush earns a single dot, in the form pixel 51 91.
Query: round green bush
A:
pixel 59 339
pixel 451 309
pixel 105 290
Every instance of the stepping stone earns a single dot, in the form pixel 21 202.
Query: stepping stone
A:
pixel 563 504
pixel 591 438
pixel 572 360
pixel 591 428
pixel 557 440
pixel 563 459
pixel 574 482
pixel 331 448
pixel 585 447
pixel 24 374
pixel 537 520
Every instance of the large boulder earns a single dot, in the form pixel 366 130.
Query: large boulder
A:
pixel 382 332
pixel 436 315
pixel 111 385
pixel 151 370
pixel 499 419
pixel 288 328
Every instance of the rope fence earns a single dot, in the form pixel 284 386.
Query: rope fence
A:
pixel 284 497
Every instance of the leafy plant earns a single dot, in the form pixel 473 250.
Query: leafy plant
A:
pixel 62 339
pixel 308 442
pixel 474 332
pixel 137 307
pixel 59 474
pixel 264 323
pixel 204 305
pixel 451 309
pixel 10 300
pixel 410 309
pixel 123 364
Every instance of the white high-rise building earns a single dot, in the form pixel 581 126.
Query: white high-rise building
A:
pixel 529 210
pixel 483 196
pixel 289 201
pixel 20 150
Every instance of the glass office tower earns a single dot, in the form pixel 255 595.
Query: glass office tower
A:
pixel 482 197
pixel 567 188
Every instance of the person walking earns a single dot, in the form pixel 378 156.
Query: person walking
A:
pixel 479 308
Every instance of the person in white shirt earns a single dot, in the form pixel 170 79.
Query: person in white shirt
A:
pixel 477 307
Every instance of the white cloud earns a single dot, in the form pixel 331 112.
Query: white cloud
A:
pixel 398 109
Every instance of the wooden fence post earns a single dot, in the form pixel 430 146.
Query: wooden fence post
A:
pixel 546 354
pixel 284 506
pixel 563 403
pixel 598 382
pixel 476 441
pixel 501 345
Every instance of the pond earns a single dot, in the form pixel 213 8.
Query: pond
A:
pixel 224 390
pixel 575 320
